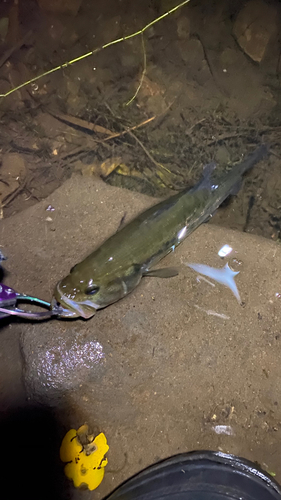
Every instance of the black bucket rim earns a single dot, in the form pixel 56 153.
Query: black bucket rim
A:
pixel 236 463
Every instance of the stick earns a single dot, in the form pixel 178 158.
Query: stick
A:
pixel 148 153
pixel 143 72
pixel 81 123
pixel 128 130
pixel 10 197
pixel 81 149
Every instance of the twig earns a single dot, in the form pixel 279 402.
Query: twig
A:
pixel 143 72
pixel 128 130
pixel 210 66
pixel 190 129
pixel 73 152
pixel 81 149
pixel 78 122
pixel 224 137
pixel 10 197
pixel 96 128
pixel 148 153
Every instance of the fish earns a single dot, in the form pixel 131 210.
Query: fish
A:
pixel 225 276
pixel 115 269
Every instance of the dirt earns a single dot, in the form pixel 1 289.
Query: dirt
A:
pixel 145 114
pixel 207 98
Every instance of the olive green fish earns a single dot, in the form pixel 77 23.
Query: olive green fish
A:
pixel 115 268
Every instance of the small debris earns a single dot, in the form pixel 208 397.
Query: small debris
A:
pixel 212 313
pixel 271 473
pixel 225 250
pixel 224 429
pixel 202 278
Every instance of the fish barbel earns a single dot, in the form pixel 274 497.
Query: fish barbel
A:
pixel 114 269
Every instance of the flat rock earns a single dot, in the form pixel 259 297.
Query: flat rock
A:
pixel 158 371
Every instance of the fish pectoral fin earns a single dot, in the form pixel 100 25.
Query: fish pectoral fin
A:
pixel 165 272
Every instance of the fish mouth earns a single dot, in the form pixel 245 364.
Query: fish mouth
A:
pixel 72 309
pixel 62 312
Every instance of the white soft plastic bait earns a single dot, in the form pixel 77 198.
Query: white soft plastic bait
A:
pixel 225 276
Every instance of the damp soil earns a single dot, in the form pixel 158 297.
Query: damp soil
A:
pixel 146 113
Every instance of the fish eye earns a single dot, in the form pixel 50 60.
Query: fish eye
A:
pixel 92 289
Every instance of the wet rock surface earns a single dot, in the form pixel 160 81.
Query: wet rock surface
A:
pixel 163 370
pixel 61 363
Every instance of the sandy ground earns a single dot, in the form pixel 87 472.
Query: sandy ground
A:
pixel 158 372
